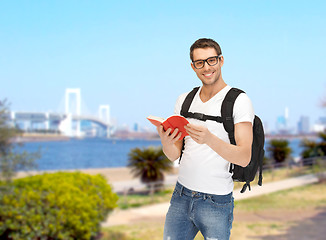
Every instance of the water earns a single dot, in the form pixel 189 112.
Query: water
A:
pixel 97 153
pixel 85 153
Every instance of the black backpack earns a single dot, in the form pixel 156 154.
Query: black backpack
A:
pixel 241 174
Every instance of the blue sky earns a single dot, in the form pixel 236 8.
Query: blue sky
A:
pixel 134 55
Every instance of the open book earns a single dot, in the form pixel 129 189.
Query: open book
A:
pixel 172 122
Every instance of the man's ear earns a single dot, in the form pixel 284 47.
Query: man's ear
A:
pixel 221 60
pixel 192 66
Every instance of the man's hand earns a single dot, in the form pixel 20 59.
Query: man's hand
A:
pixel 168 138
pixel 199 134
pixel 238 154
pixel 171 146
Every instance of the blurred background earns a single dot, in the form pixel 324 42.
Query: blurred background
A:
pixel 134 57
pixel 80 77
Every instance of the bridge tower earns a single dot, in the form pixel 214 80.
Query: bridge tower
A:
pixel 71 91
pixel 104 115
pixel 72 107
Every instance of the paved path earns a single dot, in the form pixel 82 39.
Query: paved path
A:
pixel 124 217
pixel 135 184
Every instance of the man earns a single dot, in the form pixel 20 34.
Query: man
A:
pixel 202 199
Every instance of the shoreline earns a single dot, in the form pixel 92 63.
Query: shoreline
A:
pixel 55 137
pixel 34 137
pixel 114 174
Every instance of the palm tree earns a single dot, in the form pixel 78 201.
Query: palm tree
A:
pixel 279 150
pixel 310 149
pixel 149 164
pixel 313 149
pixel 322 143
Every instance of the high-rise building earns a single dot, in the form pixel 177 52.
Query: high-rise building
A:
pixel 320 125
pixel 136 127
pixel 304 125
pixel 322 120
pixel 282 122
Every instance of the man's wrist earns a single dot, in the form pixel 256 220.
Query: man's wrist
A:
pixel 211 139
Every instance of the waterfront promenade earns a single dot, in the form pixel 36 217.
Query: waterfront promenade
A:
pixel 122 180
pixel 308 224
pixel 155 211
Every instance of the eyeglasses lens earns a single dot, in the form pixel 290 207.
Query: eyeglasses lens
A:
pixel 210 61
pixel 199 64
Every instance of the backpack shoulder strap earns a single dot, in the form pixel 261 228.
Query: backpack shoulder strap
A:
pixel 200 116
pixel 187 102
pixel 227 112
pixel 185 111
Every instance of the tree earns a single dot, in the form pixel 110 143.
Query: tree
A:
pixel 322 143
pixel 279 150
pixel 313 149
pixel 148 164
pixel 310 149
pixel 11 160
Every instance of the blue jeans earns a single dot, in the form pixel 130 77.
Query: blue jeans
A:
pixel 191 211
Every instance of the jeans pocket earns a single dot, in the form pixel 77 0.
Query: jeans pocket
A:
pixel 220 201
pixel 175 194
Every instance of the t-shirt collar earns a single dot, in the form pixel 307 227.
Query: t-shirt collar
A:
pixel 220 95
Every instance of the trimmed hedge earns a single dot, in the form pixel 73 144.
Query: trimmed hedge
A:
pixel 55 206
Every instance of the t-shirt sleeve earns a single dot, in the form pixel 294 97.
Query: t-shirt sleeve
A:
pixel 178 104
pixel 243 110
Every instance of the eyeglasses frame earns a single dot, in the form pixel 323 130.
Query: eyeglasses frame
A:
pixel 205 60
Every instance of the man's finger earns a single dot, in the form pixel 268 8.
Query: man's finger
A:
pixel 159 128
pixel 177 138
pixel 179 135
pixel 168 131
pixel 193 132
pixel 174 133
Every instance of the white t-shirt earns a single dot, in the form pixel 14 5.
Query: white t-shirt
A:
pixel 201 168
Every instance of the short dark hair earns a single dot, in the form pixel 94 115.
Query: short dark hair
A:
pixel 205 43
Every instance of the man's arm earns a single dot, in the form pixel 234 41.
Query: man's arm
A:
pixel 171 144
pixel 239 154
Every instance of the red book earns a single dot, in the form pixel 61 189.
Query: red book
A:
pixel 172 122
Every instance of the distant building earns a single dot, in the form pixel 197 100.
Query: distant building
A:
pixel 320 125
pixel 136 127
pixel 304 125
pixel 281 125
pixel 322 120
pixel 282 122
pixel 318 128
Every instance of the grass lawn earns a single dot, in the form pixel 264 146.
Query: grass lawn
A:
pixel 138 199
pixel 142 199
pixel 255 218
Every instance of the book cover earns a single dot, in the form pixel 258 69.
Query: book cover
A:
pixel 172 122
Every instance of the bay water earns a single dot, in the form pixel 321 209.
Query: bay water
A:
pixel 97 152
pixel 85 153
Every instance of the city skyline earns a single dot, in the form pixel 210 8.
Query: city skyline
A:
pixel 134 56
pixel 72 104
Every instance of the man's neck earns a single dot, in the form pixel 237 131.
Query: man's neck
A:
pixel 209 91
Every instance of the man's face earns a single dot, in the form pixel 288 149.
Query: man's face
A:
pixel 209 75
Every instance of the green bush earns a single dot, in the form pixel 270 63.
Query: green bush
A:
pixel 55 206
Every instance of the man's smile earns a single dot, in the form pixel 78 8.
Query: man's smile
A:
pixel 209 74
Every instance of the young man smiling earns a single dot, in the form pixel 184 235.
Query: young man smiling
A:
pixel 202 199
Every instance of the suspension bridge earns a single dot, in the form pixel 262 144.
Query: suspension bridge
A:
pixel 71 122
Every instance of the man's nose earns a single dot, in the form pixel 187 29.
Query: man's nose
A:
pixel 206 66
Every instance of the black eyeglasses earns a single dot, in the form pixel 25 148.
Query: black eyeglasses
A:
pixel 211 61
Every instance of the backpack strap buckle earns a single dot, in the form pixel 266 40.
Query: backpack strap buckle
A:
pixel 199 116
